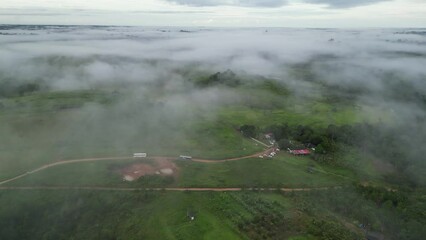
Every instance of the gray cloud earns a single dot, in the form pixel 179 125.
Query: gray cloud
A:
pixel 158 63
pixel 242 3
pixel 345 3
pixel 275 3
pixel 172 12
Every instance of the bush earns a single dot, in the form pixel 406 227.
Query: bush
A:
pixel 248 130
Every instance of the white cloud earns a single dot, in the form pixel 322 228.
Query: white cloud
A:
pixel 241 3
pixel 345 3
pixel 234 13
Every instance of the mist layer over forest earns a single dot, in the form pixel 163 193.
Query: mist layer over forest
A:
pixel 358 96
pixel 152 74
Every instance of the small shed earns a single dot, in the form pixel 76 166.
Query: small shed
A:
pixel 183 157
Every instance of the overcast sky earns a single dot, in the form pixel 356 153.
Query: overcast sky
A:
pixel 218 13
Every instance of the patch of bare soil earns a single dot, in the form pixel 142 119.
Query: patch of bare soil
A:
pixel 161 167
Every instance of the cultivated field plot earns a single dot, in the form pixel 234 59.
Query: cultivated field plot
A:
pixel 155 215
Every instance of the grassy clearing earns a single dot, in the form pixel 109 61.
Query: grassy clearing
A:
pixel 215 140
pixel 263 107
pixel 316 115
pixel 366 167
pixel 77 174
pixel 54 101
pixel 33 139
pixel 42 147
pixel 283 171
pixel 44 127
pixel 129 216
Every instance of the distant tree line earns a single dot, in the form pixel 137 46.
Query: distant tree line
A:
pixel 228 78
pixel 10 88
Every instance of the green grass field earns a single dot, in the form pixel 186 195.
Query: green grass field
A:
pixel 282 171
pixel 68 133
pixel 46 127
pixel 316 115
pixel 161 215
pixel 32 139
pixel 129 215
pixel 150 215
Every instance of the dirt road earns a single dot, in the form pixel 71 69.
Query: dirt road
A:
pixel 62 162
pixel 176 189
pixel 233 159
pixel 172 189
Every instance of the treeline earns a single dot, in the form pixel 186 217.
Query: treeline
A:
pixel 272 220
pixel 305 136
pixel 397 144
pixel 302 136
pixel 10 88
pixel 393 213
pixel 400 145
pixel 384 197
pixel 227 78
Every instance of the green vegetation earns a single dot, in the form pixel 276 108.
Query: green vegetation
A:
pixel 354 143
pixel 283 171
pixel 227 78
pixel 387 213
pixel 334 145
pixel 82 215
pixel 248 130
pixel 44 130
pixel 157 215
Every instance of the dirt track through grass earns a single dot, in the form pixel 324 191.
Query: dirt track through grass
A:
pixel 174 189
pixel 62 162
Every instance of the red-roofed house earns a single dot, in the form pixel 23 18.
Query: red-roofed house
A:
pixel 300 152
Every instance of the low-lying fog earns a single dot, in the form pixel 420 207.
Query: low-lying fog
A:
pixel 76 57
pixel 156 63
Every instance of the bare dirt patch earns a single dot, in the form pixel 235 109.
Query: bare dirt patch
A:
pixel 161 167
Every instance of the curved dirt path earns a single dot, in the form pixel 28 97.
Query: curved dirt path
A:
pixel 175 189
pixel 232 159
pixel 62 162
